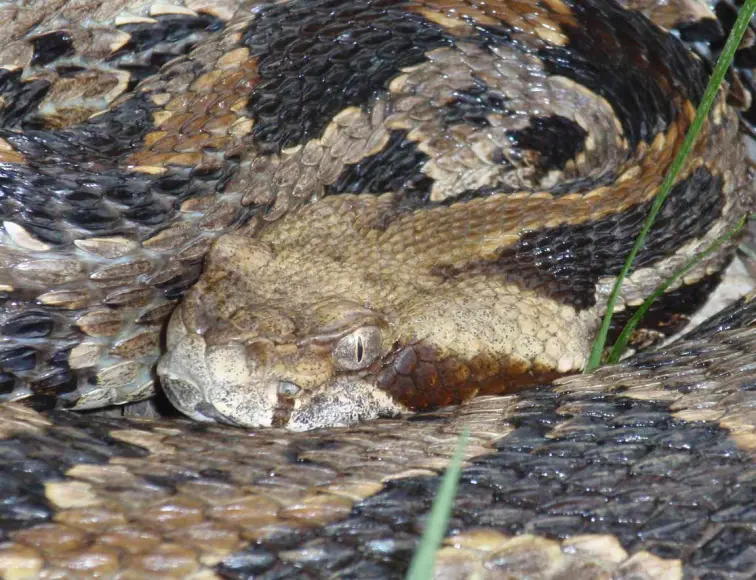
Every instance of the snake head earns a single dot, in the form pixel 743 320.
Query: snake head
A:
pixel 239 353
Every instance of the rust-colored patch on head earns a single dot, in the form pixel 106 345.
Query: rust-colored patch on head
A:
pixel 420 380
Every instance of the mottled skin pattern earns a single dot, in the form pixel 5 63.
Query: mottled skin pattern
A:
pixel 399 205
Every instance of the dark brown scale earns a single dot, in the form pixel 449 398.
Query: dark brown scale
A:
pixel 20 97
pixel 152 213
pixel 104 139
pixel 167 29
pixel 56 383
pixel 21 358
pixel 704 30
pixel 151 45
pixel 59 168
pixel 28 325
pixel 174 287
pixel 7 383
pixel 395 168
pixel 671 312
pixel 727 13
pixel 554 139
pixel 52 46
pixel 472 106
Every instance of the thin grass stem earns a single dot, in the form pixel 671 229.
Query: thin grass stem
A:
pixel 424 559
pixel 723 63
pixel 621 344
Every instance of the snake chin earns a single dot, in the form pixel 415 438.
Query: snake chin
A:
pixel 341 403
pixel 220 383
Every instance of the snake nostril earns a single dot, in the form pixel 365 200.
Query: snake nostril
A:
pixel 285 403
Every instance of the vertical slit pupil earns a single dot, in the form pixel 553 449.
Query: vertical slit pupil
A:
pixel 360 349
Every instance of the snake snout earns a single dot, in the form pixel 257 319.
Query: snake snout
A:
pixel 214 383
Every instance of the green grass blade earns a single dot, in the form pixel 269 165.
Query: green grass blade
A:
pixel 748 251
pixel 424 559
pixel 715 81
pixel 624 337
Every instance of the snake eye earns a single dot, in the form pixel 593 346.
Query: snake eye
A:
pixel 357 350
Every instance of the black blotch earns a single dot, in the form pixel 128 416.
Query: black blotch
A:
pixel 32 459
pixel 729 551
pixel 69 71
pixel 20 97
pixel 94 219
pixel 52 46
pixel 41 403
pixel 704 30
pixel 473 105
pixel 215 474
pixel 60 357
pixel 556 139
pixel 175 287
pixel 20 358
pixel 49 199
pixel 138 72
pixel 748 115
pixel 55 383
pixel 132 193
pixel 727 14
pixel 7 383
pixel 397 167
pixel 34 324
pixel 106 137
pixel 151 213
pixel 247 563
pixel 73 175
pixel 671 312
pixel 633 64
pixel 582 184
pixel 255 561
pixel 574 257
pixel 727 319
pixel 118 131
pixel 317 57
pixel 168 29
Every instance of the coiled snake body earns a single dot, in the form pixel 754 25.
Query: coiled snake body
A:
pixel 391 206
